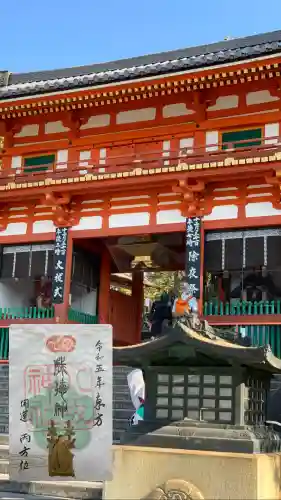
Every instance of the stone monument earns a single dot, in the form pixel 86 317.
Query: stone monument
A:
pixel 204 433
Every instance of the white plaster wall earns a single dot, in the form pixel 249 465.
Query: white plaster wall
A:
pixel 16 293
pixel 131 205
pixel 62 158
pixel 16 162
pixel 271 130
pixel 11 209
pixel 55 127
pixel 85 202
pixel 166 146
pixel 129 220
pixel 169 217
pixel 96 121
pixel 94 222
pixel 261 209
pixel 85 156
pixel 260 97
pixel 222 212
pixel 136 115
pixel 14 228
pixel 173 110
pixel 28 131
pixel 102 159
pixel 83 301
pixel 127 198
pixel 187 144
pixel 225 102
pixel 212 140
pixel 43 226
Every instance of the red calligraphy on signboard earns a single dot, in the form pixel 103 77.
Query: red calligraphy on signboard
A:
pixel 37 377
pixel 61 343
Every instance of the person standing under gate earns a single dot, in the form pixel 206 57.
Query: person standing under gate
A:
pixel 161 311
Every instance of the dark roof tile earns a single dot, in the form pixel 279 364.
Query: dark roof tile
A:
pixel 151 65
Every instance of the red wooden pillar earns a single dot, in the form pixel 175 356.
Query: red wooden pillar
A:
pixel 6 161
pixel 137 296
pixel 200 141
pixel 61 310
pixel 104 290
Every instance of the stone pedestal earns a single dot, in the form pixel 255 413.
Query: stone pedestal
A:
pixel 204 434
pixel 192 435
pixel 168 474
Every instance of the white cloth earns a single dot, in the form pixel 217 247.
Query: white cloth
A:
pixel 137 391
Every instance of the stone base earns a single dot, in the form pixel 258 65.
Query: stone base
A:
pixel 52 489
pixel 141 473
pixel 194 435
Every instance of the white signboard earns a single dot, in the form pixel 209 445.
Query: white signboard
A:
pixel 60 402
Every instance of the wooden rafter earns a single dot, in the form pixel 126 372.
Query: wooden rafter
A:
pixel 166 86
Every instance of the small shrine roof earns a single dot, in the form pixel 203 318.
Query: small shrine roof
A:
pixel 228 51
pixel 186 347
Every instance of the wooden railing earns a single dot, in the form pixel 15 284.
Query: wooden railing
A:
pixel 144 161
pixel 214 308
pixel 26 313
pixel 261 335
pixel 47 313
pixel 73 315
pixel 81 317
pixel 4 344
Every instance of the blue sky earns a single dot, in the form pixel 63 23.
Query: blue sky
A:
pixel 50 34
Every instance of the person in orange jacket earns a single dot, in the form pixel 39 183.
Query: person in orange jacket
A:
pixel 185 304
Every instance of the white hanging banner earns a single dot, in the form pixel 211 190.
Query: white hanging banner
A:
pixel 137 390
pixel 60 402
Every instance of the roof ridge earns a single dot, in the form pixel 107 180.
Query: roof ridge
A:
pixel 171 52
pixel 237 49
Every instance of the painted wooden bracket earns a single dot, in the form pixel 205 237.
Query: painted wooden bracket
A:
pixel 61 206
pixel 192 197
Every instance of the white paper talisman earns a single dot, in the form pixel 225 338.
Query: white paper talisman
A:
pixel 60 402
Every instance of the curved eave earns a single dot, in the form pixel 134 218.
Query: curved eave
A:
pixel 145 66
pixel 256 357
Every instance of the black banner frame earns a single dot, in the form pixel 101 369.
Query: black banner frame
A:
pixel 60 252
pixel 193 240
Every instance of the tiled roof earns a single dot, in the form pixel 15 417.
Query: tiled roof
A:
pixel 24 84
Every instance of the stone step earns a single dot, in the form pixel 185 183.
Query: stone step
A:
pixel 123 404
pixel 20 496
pixel 122 414
pixel 4 466
pixel 4 451
pixel 122 369
pixel 54 489
pixel 121 424
pixel 117 434
pixel 118 389
pixel 121 390
pixel 4 438
pixel 120 383
pixel 119 376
